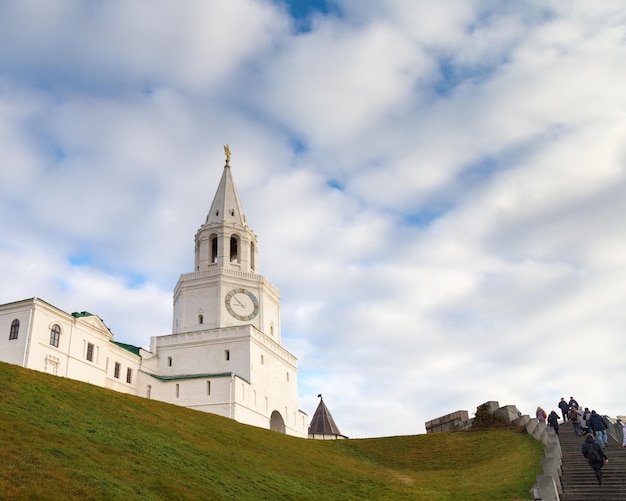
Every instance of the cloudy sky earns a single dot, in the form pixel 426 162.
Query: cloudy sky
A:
pixel 438 188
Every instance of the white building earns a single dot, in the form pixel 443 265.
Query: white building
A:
pixel 224 355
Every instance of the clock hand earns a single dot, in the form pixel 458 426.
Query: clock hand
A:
pixel 238 302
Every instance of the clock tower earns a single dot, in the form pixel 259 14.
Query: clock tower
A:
pixel 224 354
pixel 225 288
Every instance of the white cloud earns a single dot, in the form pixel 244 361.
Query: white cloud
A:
pixel 194 46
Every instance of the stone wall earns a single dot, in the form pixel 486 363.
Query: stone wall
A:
pixel 455 421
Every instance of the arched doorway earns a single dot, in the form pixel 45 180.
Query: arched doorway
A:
pixel 277 423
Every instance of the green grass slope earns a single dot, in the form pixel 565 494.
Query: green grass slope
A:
pixel 62 439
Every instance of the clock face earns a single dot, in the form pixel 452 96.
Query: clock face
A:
pixel 242 304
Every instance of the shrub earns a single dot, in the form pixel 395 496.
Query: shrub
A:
pixel 485 419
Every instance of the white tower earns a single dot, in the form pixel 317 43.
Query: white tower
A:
pixel 225 288
pixel 225 354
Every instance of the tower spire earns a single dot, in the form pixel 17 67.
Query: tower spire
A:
pixel 226 206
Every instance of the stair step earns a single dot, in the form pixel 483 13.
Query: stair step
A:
pixel 578 479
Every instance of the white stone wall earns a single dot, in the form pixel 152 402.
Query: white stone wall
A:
pixel 196 292
pixel 265 376
pixel 34 351
pixel 13 350
pixel 204 352
pixel 127 360
pixel 259 378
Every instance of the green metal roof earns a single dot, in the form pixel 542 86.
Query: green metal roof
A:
pixel 77 314
pixel 127 347
pixel 179 377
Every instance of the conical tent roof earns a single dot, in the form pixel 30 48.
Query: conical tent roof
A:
pixel 226 206
pixel 322 422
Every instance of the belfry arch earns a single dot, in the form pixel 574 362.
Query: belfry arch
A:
pixel 234 249
pixel 213 240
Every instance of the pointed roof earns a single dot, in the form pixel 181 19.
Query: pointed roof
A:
pixel 226 206
pixel 322 422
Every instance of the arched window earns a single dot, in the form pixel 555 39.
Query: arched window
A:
pixel 169 361
pixel 227 354
pixel 252 256
pixel 201 318
pixel 214 249
pixel 149 392
pixel 234 250
pixel 197 254
pixel 15 329
pixel 55 335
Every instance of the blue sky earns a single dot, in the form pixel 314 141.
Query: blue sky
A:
pixel 437 189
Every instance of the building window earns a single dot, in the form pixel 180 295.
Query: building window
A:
pixel 214 249
pixel 129 375
pixel 234 252
pixel 169 361
pixel 116 371
pixel 200 319
pixel 15 328
pixel 227 354
pixel 262 360
pixel 90 352
pixel 287 377
pixel 177 390
pixel 252 256
pixel 208 388
pixel 149 392
pixel 55 335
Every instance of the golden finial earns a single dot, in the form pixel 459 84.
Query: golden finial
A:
pixel 227 151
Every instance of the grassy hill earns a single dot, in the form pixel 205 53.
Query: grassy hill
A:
pixel 61 439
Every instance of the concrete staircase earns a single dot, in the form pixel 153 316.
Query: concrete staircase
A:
pixel 578 479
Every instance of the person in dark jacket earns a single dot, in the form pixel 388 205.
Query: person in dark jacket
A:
pixel 564 408
pixel 574 418
pixel 553 420
pixel 596 461
pixel 596 424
